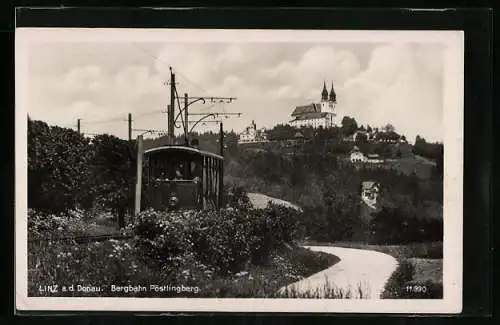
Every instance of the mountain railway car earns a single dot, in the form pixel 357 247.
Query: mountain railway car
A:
pixel 181 177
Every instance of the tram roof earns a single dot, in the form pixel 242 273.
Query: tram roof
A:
pixel 184 149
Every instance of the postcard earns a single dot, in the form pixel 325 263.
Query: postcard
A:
pixel 182 170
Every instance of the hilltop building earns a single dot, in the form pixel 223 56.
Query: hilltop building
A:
pixel 375 135
pixel 317 114
pixel 251 134
pixel 356 156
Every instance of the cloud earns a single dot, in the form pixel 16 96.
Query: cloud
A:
pixel 398 87
pixel 398 84
pixel 190 63
pixel 306 76
pixel 233 54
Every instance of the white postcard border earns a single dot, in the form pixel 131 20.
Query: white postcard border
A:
pixel 453 174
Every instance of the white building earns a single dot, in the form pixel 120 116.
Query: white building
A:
pixel 357 156
pixel 317 114
pixel 252 134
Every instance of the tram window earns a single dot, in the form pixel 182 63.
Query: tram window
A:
pixel 195 168
pixel 179 171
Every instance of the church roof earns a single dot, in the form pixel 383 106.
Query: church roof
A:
pixel 311 108
pixel 310 115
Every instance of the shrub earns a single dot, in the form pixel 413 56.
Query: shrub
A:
pixel 236 196
pixel 162 237
pixel 226 240
pixel 402 286
pixel 397 226
pixel 45 225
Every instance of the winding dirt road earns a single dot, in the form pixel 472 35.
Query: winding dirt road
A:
pixel 359 273
pixel 357 269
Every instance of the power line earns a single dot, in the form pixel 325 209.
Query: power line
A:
pixel 168 64
pixel 192 82
pixel 115 119
pixel 156 111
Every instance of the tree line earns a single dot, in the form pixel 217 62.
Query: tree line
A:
pixel 67 171
pixel 329 192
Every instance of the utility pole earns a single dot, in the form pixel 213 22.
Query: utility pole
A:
pixel 78 124
pixel 221 140
pixel 171 109
pixel 129 126
pixel 186 121
pixel 172 117
pixel 221 172
pixel 138 184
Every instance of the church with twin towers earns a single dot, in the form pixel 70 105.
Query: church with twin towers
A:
pixel 317 115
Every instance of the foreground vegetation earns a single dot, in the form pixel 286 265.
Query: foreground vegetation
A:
pixel 237 252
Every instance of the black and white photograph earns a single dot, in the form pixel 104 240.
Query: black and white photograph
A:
pixel 239 170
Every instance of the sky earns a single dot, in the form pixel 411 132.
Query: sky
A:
pixel 101 82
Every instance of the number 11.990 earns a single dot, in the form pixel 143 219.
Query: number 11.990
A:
pixel 416 288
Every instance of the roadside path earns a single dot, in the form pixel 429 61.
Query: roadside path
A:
pixel 357 269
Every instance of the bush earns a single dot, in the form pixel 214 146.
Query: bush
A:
pixel 226 240
pixel 236 196
pixel 401 285
pixel 162 237
pixel 45 225
pixel 396 226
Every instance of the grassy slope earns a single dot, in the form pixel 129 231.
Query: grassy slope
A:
pixel 418 250
pixel 427 269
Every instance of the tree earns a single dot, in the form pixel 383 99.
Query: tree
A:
pixel 57 167
pixel 113 174
pixel 297 177
pixel 440 162
pixel 282 132
pixel 361 137
pixel 389 128
pixel 349 125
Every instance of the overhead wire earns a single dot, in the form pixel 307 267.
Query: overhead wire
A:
pixel 175 69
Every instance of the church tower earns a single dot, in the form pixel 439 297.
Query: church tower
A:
pixel 328 101
pixel 333 95
pixel 324 93
pixel 327 104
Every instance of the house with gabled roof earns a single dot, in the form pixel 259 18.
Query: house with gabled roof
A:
pixel 317 115
pixel 370 191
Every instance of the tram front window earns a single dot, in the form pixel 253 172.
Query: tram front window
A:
pixel 179 172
